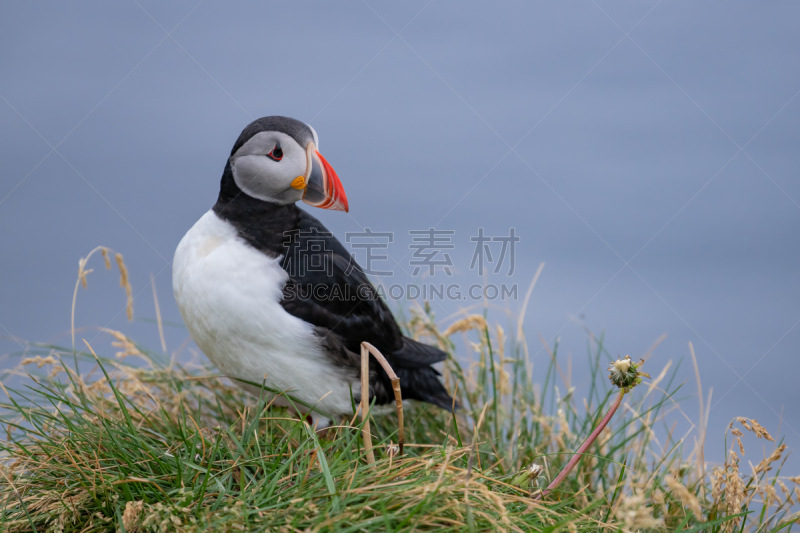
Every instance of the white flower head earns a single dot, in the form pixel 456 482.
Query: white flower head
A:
pixel 622 365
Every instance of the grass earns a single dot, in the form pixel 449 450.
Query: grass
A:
pixel 133 443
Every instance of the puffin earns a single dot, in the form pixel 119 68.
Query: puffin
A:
pixel 275 301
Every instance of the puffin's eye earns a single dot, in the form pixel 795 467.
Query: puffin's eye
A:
pixel 276 154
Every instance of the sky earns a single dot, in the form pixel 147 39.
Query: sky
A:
pixel 644 151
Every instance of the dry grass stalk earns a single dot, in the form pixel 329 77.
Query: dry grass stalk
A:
pixel 398 397
pixel 474 447
pixel 366 433
pixel 702 422
pixel 158 314
pixel 81 281
pixel 521 320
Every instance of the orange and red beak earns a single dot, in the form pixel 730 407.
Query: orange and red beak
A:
pixel 323 188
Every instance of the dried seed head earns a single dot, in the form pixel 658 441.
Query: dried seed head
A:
pixel 123 270
pixel 130 517
pixel 633 511
pixel 735 491
pixel 751 424
pixel 688 499
pixel 624 373
pixel 466 324
pixel 760 431
pixel 81 272
pixel 528 476
pixel 127 346
pixel 107 261
pixel 717 482
pixel 125 282
pixel 39 361
pixel 764 465
pixel 535 470
pixel 769 494
pixel 743 421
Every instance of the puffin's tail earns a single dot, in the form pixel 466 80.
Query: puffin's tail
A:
pixel 423 383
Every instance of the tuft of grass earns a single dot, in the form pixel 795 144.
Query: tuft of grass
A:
pixel 137 443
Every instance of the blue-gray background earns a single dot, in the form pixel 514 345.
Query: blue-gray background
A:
pixel 645 151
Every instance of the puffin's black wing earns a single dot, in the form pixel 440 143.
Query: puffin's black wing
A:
pixel 328 289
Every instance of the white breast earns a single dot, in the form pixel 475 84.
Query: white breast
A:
pixel 228 294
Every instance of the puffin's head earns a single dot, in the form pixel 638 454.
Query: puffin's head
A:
pixel 275 159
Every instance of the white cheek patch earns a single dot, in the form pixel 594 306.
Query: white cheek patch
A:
pixel 297 160
pixel 263 178
pixel 252 173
